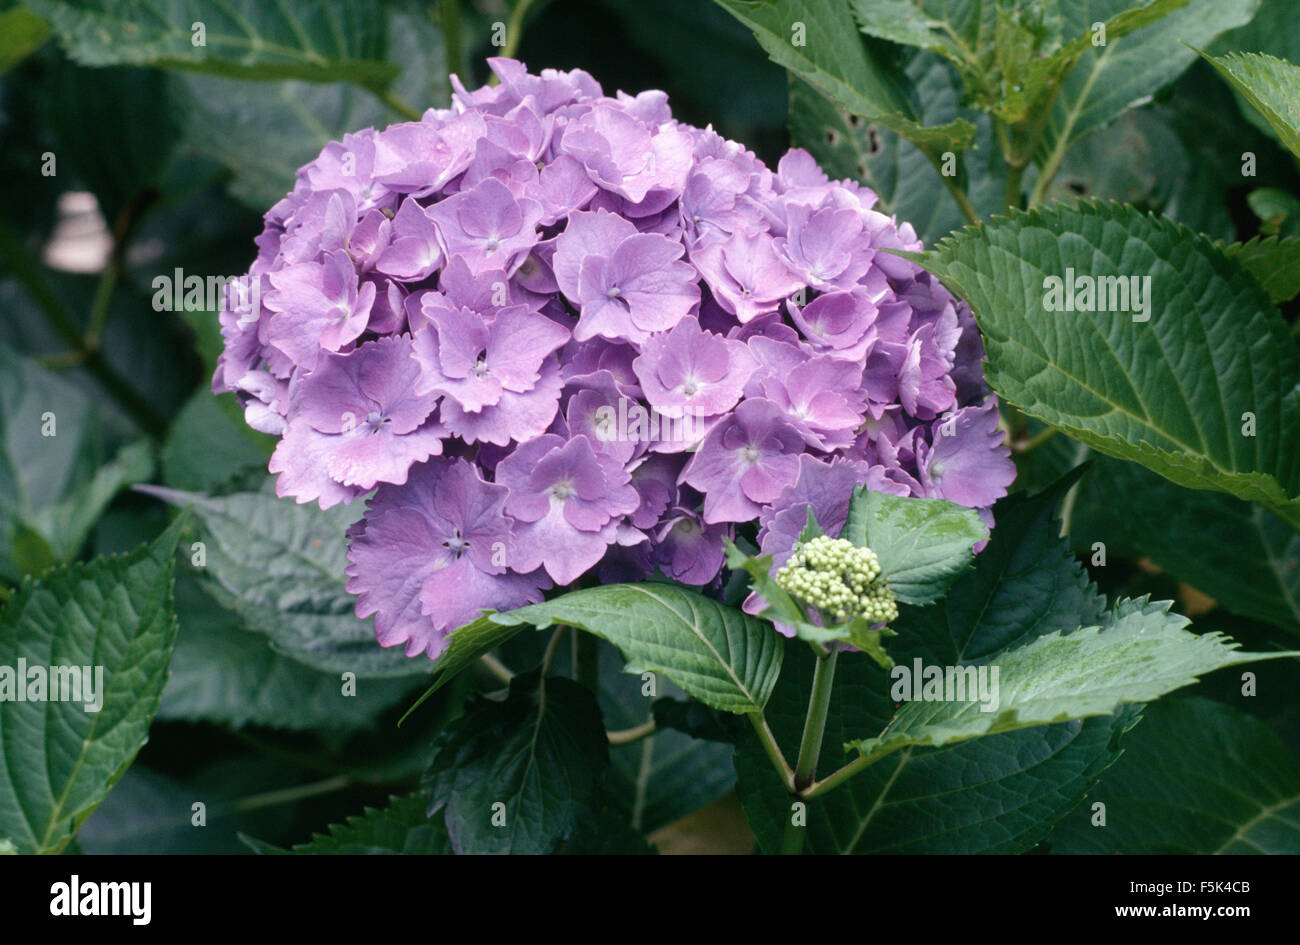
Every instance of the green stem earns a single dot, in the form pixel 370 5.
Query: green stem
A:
pixel 627 736
pixel 814 726
pixel 287 795
pixel 1035 441
pixel 793 838
pixel 958 194
pixel 100 306
pixel 1015 177
pixel 768 741
pixel 449 20
pixel 391 99
pixel 810 746
pixel 515 28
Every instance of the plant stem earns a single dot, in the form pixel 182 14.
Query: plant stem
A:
pixel 285 796
pixel 391 99
pixel 819 703
pixel 449 20
pixel 773 750
pixel 100 306
pixel 551 647
pixel 515 28
pixel 810 746
pixel 498 669
pixel 634 734
pixel 1035 441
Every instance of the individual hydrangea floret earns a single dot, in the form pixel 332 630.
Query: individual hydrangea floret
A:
pixel 556 335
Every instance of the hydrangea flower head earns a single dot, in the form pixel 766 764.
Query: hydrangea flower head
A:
pixel 556 335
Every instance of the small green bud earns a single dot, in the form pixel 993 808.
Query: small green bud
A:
pixel 839 579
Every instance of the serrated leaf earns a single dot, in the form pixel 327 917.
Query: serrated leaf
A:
pixel 1196 777
pixel 403 827
pixel 996 794
pixel 541 754
pixel 718 654
pixel 59 759
pixel 279 566
pixel 1270 84
pixel 1000 794
pixel 922 544
pixel 1206 393
pixel 1139 653
pixel 832 57
pixel 1131 70
pixel 1238 553
pixel 290 39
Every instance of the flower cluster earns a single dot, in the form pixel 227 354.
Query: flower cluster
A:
pixel 839 579
pixel 555 332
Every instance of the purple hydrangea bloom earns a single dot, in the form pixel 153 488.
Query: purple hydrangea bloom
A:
pixel 357 422
pixel 431 555
pixel 567 503
pixel 745 462
pixel 561 334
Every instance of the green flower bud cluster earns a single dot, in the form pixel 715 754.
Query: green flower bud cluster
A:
pixel 839 579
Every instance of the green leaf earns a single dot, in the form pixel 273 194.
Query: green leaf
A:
pixel 1275 264
pixel 1008 57
pixel 55 481
pixel 1181 393
pixel 113 615
pixel 1240 554
pixel 902 176
pixel 22 32
pixel 280 567
pixel 541 753
pixel 129 107
pixel 922 544
pixel 668 774
pixel 1278 211
pixel 1196 777
pixel 997 794
pixel 305 116
pixel 222 673
pixel 1271 85
pixel 1139 653
pixel 720 655
pixel 1000 794
pixel 781 606
pixel 402 827
pixel 1132 70
pixel 207 447
pixel 817 41
pixel 291 39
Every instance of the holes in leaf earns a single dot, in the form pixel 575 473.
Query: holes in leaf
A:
pixel 873 141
